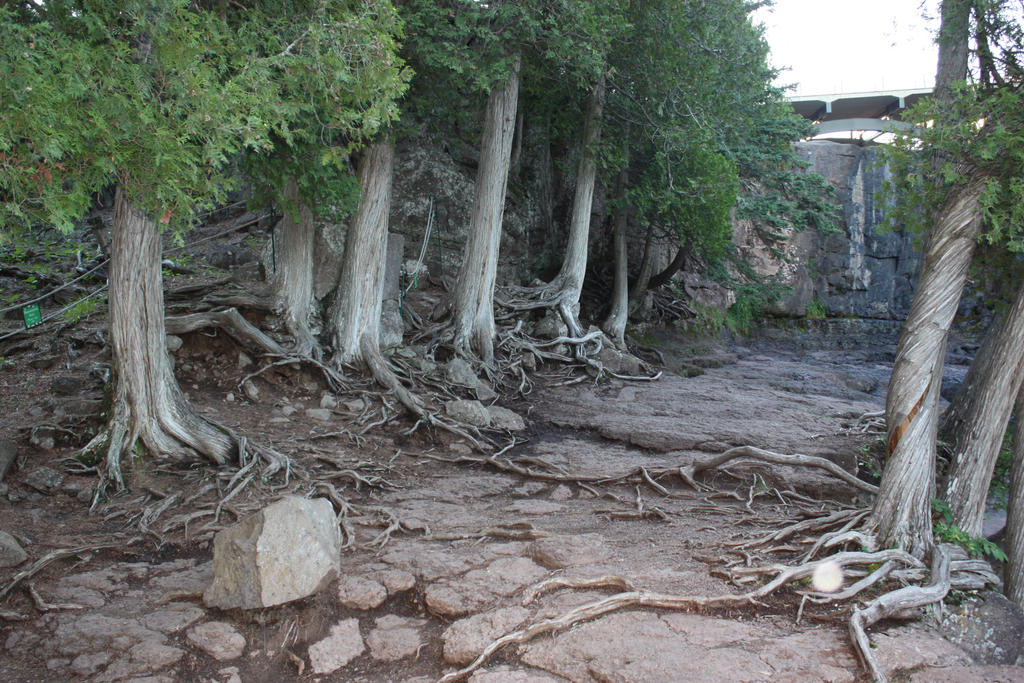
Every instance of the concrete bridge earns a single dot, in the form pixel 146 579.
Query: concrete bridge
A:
pixel 878 111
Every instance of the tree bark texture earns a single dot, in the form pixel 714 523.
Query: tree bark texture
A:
pixel 615 324
pixel 357 305
pixel 574 263
pixel 292 282
pixel 1014 576
pixel 473 299
pixel 902 511
pixel 643 277
pixel 976 429
pixel 148 403
pixel 954 32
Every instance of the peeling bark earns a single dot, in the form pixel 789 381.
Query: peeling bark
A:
pixel 615 323
pixel 292 283
pixel 1014 576
pixel 473 299
pixel 148 404
pixel 355 314
pixel 902 511
pixel 976 429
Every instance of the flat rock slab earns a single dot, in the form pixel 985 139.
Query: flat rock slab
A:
pixel 504 674
pixel 395 637
pixel 641 646
pixel 357 592
pixel 218 639
pixel 481 588
pixel 558 552
pixel 341 646
pixel 465 639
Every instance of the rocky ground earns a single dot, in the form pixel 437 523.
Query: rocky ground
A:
pixel 443 552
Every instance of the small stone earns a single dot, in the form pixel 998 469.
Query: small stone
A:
pixel 321 414
pixel 85 495
pixel 218 639
pixel 395 580
pixel 251 391
pixel 11 552
pixel 561 492
pixel 230 675
pixel 329 401
pixel 230 398
pixel 394 638
pixel 43 436
pixel 356 592
pixel 339 648
pixel 503 418
pixel 484 392
pixel 288 410
pixel 556 552
pixel 66 385
pixel 244 360
pixel 356 406
pixel 460 372
pixel 44 479
pixel 174 343
pixel 470 412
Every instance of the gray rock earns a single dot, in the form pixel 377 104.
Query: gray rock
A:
pixel 172 618
pixel 66 385
pixel 460 372
pixel 989 627
pixel 43 436
pixel 44 479
pixel 355 406
pixel 469 411
pixel 8 454
pixel 557 552
pixel 484 392
pixel 465 639
pixel 618 362
pixel 218 639
pixel 395 638
pixel 338 649
pixel 504 674
pixel 287 551
pixel 11 552
pixel 395 580
pixel 174 343
pixel 322 414
pixel 357 592
pixel 550 326
pixel 503 418
pixel 251 391
pixel 481 588
pixel 329 401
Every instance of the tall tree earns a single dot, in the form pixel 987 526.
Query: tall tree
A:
pixel 902 510
pixel 154 97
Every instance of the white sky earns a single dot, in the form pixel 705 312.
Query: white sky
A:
pixel 842 46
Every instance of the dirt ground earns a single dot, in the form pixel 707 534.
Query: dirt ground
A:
pixel 443 552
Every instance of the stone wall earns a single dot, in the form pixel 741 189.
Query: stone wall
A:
pixel 858 271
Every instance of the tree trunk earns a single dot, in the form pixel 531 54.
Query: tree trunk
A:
pixel 574 263
pixel 615 324
pixel 902 511
pixel 976 429
pixel 1014 572
pixel 355 315
pixel 671 269
pixel 147 404
pixel 954 31
pixel 473 299
pixel 639 291
pixel 292 283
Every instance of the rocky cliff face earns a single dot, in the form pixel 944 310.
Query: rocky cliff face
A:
pixel 857 271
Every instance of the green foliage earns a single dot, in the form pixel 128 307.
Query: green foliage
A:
pixel 160 97
pixel 816 310
pixel 946 531
pixel 82 308
pixel 999 489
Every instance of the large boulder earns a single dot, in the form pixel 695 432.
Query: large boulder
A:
pixel 285 552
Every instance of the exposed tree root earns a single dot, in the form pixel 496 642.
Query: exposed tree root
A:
pixel 229 320
pixel 59 554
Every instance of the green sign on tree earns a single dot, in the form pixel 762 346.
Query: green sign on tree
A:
pixel 31 315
